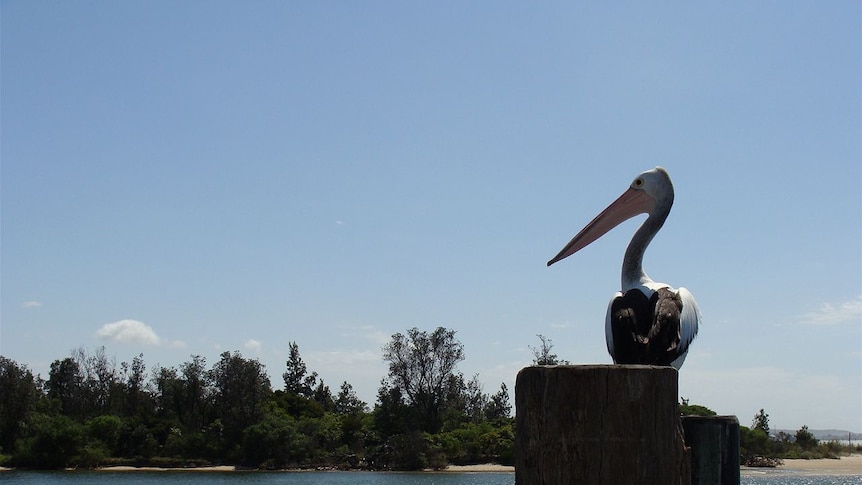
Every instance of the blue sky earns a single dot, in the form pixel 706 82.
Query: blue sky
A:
pixel 199 177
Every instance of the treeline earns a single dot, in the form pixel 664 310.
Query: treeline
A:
pixel 91 412
pixel 759 447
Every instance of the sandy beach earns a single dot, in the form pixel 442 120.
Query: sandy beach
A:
pixel 846 465
pixel 484 468
pixel 223 468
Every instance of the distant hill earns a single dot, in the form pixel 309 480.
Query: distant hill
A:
pixel 823 434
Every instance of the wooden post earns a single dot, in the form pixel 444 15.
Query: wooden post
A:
pixel 599 424
pixel 714 443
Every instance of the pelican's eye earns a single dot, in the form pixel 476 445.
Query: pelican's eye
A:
pixel 639 182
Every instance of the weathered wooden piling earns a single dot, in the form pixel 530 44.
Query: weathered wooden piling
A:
pixel 599 424
pixel 714 443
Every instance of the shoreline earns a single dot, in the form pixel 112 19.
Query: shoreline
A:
pixel 479 468
pixel 844 466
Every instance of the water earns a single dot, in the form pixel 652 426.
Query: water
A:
pixel 335 478
pixel 801 480
pixel 264 478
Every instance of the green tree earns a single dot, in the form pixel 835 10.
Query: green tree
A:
pixel 66 385
pixel 107 430
pixel 196 392
pixel 297 380
pixel 323 396
pixel 805 439
pixel 17 399
pixel 241 389
pixel 753 443
pixel 347 402
pixel 499 407
pixel 139 440
pixel 460 401
pixel 352 412
pixel 543 355
pixel 273 442
pixel 761 422
pixel 686 409
pixel 182 398
pixel 137 400
pixel 100 379
pixel 86 385
pixel 475 401
pixel 51 441
pixel 421 365
pixel 390 415
pixel 296 405
pixel 168 394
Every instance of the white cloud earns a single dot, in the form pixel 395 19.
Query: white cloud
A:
pixel 835 314
pixel 135 332
pixel 129 331
pixel 31 304
pixel 252 345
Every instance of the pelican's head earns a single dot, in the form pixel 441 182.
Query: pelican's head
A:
pixel 649 190
pixel 656 184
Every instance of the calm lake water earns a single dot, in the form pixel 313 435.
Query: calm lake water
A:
pixel 332 478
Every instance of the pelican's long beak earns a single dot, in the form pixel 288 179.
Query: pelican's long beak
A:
pixel 628 205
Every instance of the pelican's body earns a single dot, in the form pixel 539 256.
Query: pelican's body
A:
pixel 647 322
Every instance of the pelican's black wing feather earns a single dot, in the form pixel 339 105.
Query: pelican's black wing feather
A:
pixel 646 330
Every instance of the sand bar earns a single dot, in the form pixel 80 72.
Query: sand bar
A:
pixel 223 468
pixel 846 465
pixel 484 468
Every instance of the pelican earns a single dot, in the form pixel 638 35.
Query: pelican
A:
pixel 647 322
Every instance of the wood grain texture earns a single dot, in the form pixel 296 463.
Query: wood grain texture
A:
pixel 599 424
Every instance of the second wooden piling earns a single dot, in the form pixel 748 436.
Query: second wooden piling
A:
pixel 714 443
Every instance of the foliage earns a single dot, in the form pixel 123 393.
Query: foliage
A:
pixel 686 409
pixel 498 407
pixel 20 391
pixel 240 390
pixel 92 412
pixel 761 422
pixel 753 443
pixel 274 440
pixel 480 443
pixel 51 441
pixel 296 378
pixel 757 448
pixel 422 366
pixel 805 439
pixel 106 431
pixel 543 354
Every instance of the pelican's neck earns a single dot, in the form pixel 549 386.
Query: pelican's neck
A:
pixel 633 275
